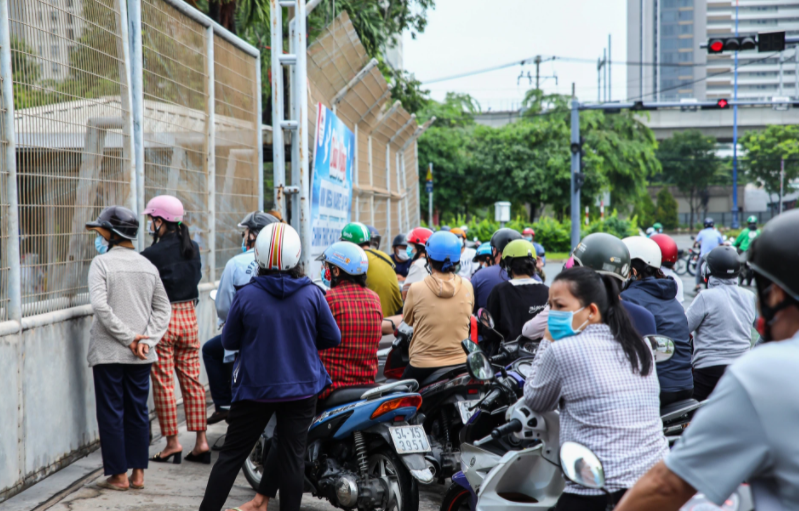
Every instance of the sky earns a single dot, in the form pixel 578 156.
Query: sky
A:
pixel 467 35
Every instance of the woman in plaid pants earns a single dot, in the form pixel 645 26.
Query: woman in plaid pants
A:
pixel 177 258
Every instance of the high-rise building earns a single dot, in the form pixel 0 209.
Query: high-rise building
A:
pixel 664 36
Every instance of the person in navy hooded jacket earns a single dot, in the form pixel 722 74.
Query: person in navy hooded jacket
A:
pixel 278 322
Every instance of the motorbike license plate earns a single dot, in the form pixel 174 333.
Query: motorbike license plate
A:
pixel 409 439
pixel 464 407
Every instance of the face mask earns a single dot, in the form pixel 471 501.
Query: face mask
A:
pixel 326 277
pixel 559 324
pixel 243 245
pixel 100 244
pixel 409 252
pixel 402 255
pixel 529 238
pixel 150 230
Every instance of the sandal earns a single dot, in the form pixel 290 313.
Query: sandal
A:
pixel 203 457
pixel 176 458
pixel 136 486
pixel 108 486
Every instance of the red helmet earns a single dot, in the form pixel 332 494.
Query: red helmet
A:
pixel 528 230
pixel 668 248
pixel 419 236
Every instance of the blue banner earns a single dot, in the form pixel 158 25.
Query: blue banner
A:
pixel 331 184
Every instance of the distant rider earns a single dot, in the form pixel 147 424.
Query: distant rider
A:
pixel 381 277
pixel 417 239
pixel 668 254
pixel 708 239
pixel 400 257
pixel 486 279
pixel 743 242
pixel 467 254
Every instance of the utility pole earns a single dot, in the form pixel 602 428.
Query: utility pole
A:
pixel 782 63
pixel 641 58
pixel 796 72
pixel 610 69
pixel 782 178
pixel 430 195
pixel 537 72
pixel 575 168
pixel 598 80
pixel 605 71
pixel 735 224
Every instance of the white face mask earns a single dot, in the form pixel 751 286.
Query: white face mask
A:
pixel 402 254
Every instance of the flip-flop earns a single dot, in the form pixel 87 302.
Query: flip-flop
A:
pixel 234 509
pixel 108 486
pixel 136 486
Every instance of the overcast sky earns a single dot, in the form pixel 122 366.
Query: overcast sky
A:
pixel 467 35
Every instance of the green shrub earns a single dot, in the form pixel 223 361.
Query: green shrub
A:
pixel 645 211
pixel 612 225
pixel 666 212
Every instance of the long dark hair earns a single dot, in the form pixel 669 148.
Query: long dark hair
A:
pixel 182 230
pixel 590 287
pixel 294 273
pixel 643 270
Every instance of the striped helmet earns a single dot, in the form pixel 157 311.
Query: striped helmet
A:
pixel 278 247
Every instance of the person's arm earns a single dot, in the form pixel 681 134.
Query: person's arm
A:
pixel 407 311
pixel 226 291
pixel 660 489
pixel 231 333
pixel 536 327
pixel 543 386
pixel 98 297
pixel 493 306
pixel 328 334
pixel 160 316
pixel 696 313
pixel 740 239
pixel 390 324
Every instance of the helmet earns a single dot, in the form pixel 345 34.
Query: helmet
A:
pixel 257 220
pixel 518 248
pixel 644 249
pixel 528 231
pixel 356 232
pixel 668 248
pixel 348 256
pixel 165 206
pixel 484 250
pixel 374 235
pixel 444 228
pixel 657 226
pixel 457 231
pixel 569 264
pixel 119 220
pixel 444 246
pixel 502 237
pixel 709 222
pixel 604 253
pixel 752 220
pixel 278 247
pixel 774 254
pixel 400 240
pixel 539 250
pixel 419 236
pixel 723 262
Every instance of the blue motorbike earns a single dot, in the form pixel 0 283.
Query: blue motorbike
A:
pixel 364 450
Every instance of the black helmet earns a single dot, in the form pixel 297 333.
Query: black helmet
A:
pixel 374 236
pixel 709 222
pixel 400 240
pixel 604 253
pixel 502 237
pixel 445 228
pixel 118 220
pixel 256 221
pixel 723 263
pixel 775 253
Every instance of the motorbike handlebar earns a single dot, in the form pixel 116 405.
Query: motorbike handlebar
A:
pixel 506 429
pixel 491 397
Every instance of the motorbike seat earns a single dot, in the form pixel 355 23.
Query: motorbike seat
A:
pixel 345 395
pixel 676 406
pixel 442 374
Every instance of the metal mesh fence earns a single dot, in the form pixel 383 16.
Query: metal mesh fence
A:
pixel 4 266
pixel 176 114
pixel 236 120
pixel 69 96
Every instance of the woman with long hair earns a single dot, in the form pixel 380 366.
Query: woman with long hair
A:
pixel 177 258
pixel 600 373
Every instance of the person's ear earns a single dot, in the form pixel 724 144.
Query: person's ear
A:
pixel 775 296
pixel 594 310
pixel 335 271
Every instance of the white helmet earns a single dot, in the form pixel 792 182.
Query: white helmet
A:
pixel 645 249
pixel 278 247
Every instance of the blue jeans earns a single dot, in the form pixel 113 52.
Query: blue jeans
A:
pixel 219 373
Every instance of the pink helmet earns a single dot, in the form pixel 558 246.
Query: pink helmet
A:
pixel 165 206
pixel 569 263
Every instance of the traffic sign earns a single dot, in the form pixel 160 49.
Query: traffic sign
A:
pixel 429 187
pixel 429 175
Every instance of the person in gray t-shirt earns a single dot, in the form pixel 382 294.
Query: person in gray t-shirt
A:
pixel 746 430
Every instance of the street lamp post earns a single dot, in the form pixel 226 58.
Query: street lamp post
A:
pixel 735 224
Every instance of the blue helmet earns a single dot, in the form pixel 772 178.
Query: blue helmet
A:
pixel 443 246
pixel 484 250
pixel 348 256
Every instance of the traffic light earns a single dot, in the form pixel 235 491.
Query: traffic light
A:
pixel 721 104
pixel 771 41
pixel 579 180
pixel 722 44
pixel 577 147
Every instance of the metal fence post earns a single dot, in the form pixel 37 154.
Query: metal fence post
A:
pixel 259 138
pixel 127 103
pixel 10 157
pixel 301 90
pixel 137 107
pixel 211 151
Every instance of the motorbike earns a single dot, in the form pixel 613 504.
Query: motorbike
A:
pixel 516 464
pixel 365 449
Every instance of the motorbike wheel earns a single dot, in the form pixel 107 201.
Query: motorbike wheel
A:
pixel 253 466
pixel 691 266
pixel 403 488
pixel 457 498
pixel 681 267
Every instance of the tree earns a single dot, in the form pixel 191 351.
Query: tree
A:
pixel 645 210
pixel 666 212
pixel 764 150
pixel 689 161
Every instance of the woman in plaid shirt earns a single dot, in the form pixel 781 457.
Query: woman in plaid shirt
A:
pixel 358 315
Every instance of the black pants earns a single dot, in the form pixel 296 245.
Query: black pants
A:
pixel 247 420
pixel 667 398
pixel 219 373
pixel 421 373
pixel 120 393
pixel 705 380
pixel 574 502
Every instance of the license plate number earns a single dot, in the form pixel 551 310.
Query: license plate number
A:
pixel 465 411
pixel 409 439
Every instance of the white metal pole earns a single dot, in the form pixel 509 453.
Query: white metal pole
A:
pixel 388 187
pixel 796 72
pixel 278 145
pixel 295 116
pixel 610 70
pixel 782 179
pixel 782 62
pixel 301 91
pixel 127 103
pixel 137 106
pixel 211 151
pixel 355 178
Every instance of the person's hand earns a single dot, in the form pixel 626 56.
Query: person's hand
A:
pixel 142 350
pixel 133 346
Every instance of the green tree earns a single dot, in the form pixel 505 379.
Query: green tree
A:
pixel 764 150
pixel 689 161
pixel 644 210
pixel 666 212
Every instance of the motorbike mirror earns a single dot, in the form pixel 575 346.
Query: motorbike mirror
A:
pixel 485 318
pixel 662 347
pixel 479 366
pixel 469 346
pixel 213 295
pixel 581 466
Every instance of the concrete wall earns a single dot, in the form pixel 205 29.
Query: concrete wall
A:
pixel 47 408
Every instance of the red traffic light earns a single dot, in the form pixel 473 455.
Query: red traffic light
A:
pixel 716 46
pixel 722 103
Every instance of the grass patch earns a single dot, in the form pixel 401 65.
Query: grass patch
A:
pixel 557 256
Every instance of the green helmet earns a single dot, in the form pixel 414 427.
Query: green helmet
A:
pixel 356 232
pixel 518 248
pixel 658 226
pixel 604 253
pixel 752 220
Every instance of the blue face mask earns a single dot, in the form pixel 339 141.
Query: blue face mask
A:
pixel 325 278
pixel 100 244
pixel 244 246
pixel 409 251
pixel 559 324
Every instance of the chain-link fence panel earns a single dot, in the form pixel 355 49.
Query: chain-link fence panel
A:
pixel 175 82
pixel 73 148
